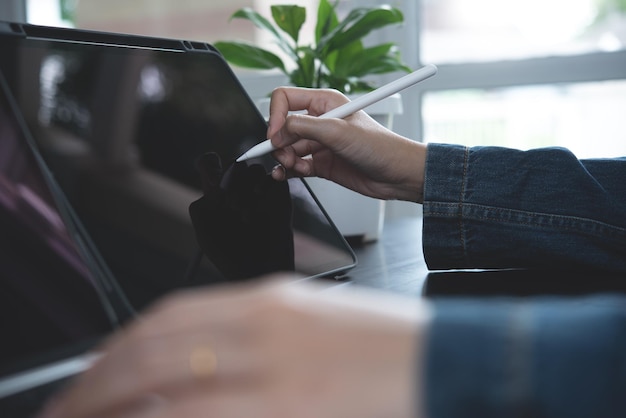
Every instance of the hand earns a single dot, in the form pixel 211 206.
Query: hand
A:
pixel 272 350
pixel 355 152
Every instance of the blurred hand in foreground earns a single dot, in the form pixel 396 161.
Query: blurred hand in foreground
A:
pixel 270 349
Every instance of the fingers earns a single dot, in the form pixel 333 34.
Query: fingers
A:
pixel 191 339
pixel 280 173
pixel 202 399
pixel 290 99
pixel 206 402
pixel 136 369
pixel 264 351
pixel 308 146
pixel 309 133
pixel 198 401
pixel 297 159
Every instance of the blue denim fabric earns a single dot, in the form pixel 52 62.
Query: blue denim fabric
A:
pixel 534 358
pixel 537 357
pixel 496 207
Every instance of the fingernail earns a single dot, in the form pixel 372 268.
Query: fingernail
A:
pixel 278 172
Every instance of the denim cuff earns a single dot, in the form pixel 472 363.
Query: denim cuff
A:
pixel 493 207
pixel 445 180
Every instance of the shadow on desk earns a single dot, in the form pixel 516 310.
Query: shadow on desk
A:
pixel 521 283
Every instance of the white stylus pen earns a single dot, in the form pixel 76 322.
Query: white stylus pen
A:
pixel 354 106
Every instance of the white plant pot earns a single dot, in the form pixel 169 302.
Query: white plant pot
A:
pixel 355 215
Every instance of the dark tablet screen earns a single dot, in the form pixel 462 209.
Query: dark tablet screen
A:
pixel 121 124
pixel 50 294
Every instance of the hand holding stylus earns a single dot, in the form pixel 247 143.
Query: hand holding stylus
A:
pixel 356 152
pixel 354 106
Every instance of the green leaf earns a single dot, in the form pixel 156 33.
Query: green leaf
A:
pixel 307 65
pixel 347 85
pixel 359 23
pixel 358 86
pixel 330 60
pixel 258 20
pixel 607 8
pixel 379 59
pixel 264 24
pixel 337 59
pixel 249 56
pixel 382 66
pixel 385 66
pixel 290 19
pixel 322 44
pixel 68 10
pixel 338 83
pixel 304 74
pixel 343 59
pixel 326 19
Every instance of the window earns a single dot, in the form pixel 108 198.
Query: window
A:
pixel 587 118
pixel 488 30
pixel 526 74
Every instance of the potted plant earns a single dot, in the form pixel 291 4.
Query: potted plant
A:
pixel 337 58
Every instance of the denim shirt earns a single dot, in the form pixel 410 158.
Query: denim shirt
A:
pixel 491 207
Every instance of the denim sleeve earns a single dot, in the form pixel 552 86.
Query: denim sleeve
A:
pixel 527 358
pixel 492 207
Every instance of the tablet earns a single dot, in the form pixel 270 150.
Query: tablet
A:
pixel 120 121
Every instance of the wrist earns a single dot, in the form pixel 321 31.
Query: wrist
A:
pixel 413 160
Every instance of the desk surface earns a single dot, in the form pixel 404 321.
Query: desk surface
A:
pixel 395 262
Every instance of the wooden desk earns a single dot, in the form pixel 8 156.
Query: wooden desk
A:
pixel 395 262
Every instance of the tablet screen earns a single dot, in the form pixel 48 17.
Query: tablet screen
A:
pixel 121 127
pixel 50 295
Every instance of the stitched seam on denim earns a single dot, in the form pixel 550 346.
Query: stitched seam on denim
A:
pixel 536 219
pixel 462 237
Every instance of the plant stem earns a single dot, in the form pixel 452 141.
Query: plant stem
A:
pixel 318 77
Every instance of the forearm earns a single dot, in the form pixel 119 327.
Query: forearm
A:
pixel 542 358
pixel 497 207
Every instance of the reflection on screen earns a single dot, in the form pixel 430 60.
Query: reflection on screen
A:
pixel 48 295
pixel 121 129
